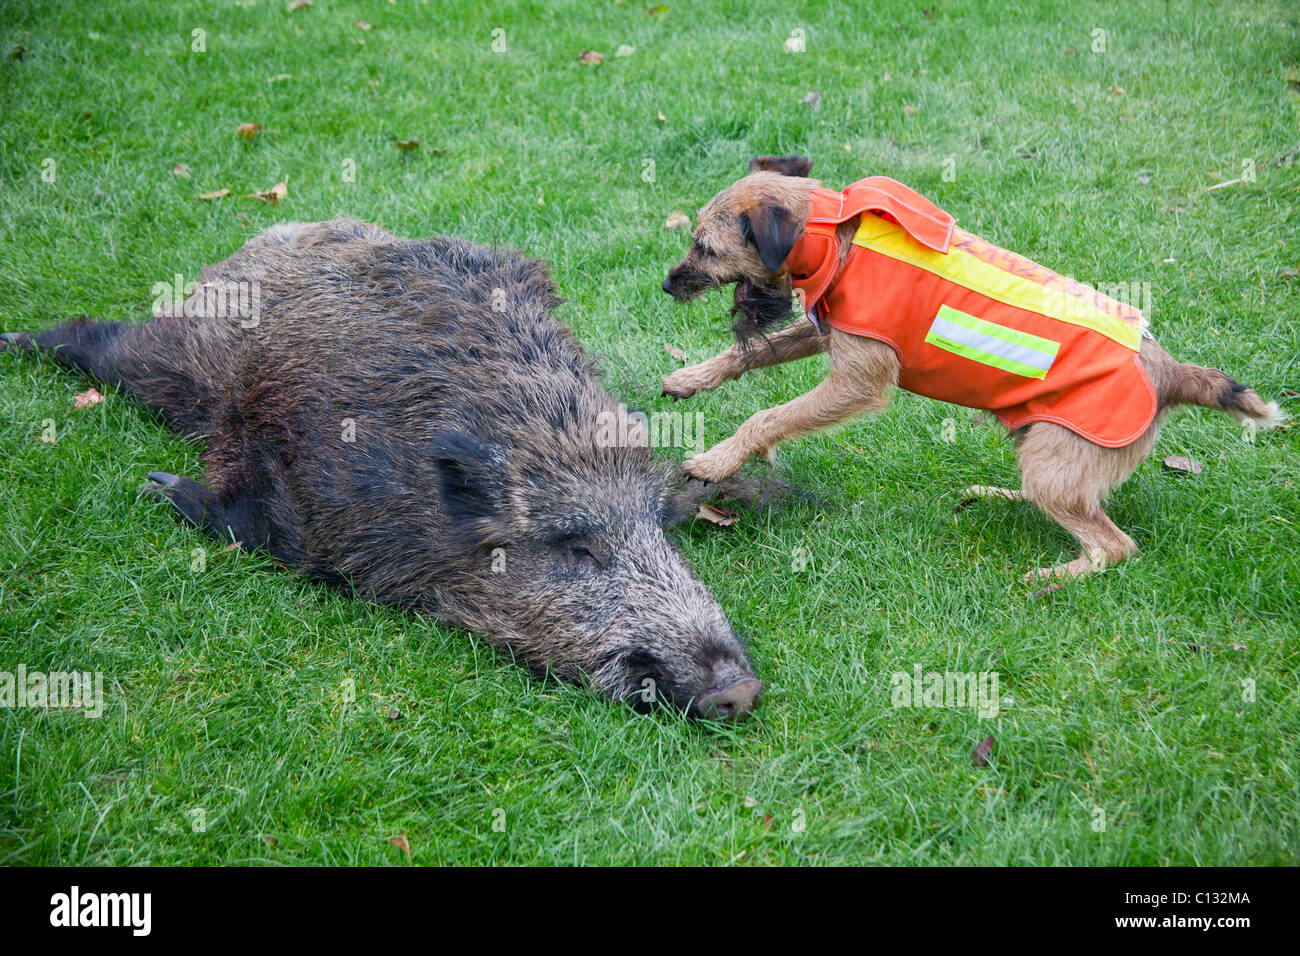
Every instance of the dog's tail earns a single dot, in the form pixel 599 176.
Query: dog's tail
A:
pixel 1210 388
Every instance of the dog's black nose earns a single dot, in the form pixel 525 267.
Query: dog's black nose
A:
pixel 668 286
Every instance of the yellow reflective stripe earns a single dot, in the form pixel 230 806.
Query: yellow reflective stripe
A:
pixel 1058 299
pixel 991 344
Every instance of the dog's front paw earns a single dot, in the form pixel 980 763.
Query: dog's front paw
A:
pixel 689 381
pixel 716 465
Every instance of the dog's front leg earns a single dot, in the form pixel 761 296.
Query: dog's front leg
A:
pixel 839 397
pixel 797 341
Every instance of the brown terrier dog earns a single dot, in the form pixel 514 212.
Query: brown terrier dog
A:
pixel 746 234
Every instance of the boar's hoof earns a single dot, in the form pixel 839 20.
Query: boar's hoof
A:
pixel 733 701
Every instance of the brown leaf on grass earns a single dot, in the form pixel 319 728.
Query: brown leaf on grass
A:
pixel 716 516
pixel 87 398
pixel 677 220
pixel 1043 592
pixel 591 58
pixel 401 843
pixel 215 195
pixel 812 100
pixel 767 821
pixel 981 754
pixel 407 145
pixel 909 110
pixel 362 25
pixel 660 116
pixel 272 842
pixel 275 195
pixel 675 352
pixel 1183 463
pixel 233 546
pixel 248 130
pixel 299 4
pixel 182 170
pixel 1117 90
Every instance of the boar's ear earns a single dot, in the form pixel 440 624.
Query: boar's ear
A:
pixel 471 478
pixel 773 230
pixel 785 165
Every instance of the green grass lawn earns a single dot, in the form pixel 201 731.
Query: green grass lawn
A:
pixel 1152 712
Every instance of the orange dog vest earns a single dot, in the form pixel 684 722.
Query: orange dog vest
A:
pixel 973 324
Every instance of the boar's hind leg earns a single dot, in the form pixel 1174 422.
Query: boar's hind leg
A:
pixel 243 520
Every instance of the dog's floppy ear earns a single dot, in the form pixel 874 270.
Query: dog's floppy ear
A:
pixel 785 165
pixel 773 230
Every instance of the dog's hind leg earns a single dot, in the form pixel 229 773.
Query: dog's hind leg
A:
pixel 1068 477
pixel 799 340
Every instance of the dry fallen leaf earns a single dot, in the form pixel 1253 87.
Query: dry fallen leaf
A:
pixel 362 25
pixel 248 130
pixel 813 100
pixel 87 398
pixel 401 843
pixel 751 802
pixel 674 352
pixel 182 170
pixel 657 10
pixel 716 515
pixel 624 50
pixel 591 57
pixel 677 220
pixel 274 195
pixel 281 78
pixel 298 4
pixel 1143 180
pixel 407 145
pixel 909 110
pixel 215 195
pixel 1117 90
pixel 981 754
pixel 233 546
pixel 1183 463
pixel 767 821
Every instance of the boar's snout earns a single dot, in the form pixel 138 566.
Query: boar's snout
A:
pixel 733 702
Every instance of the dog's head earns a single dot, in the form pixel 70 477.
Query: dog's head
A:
pixel 743 236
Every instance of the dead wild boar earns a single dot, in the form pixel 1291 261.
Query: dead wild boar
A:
pixel 409 419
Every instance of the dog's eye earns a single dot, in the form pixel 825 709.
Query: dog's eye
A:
pixel 704 251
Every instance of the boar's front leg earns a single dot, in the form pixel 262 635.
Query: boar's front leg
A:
pixel 242 519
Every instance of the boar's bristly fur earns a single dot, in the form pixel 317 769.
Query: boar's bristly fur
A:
pixel 409 418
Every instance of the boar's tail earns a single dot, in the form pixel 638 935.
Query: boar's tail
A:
pixel 134 357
